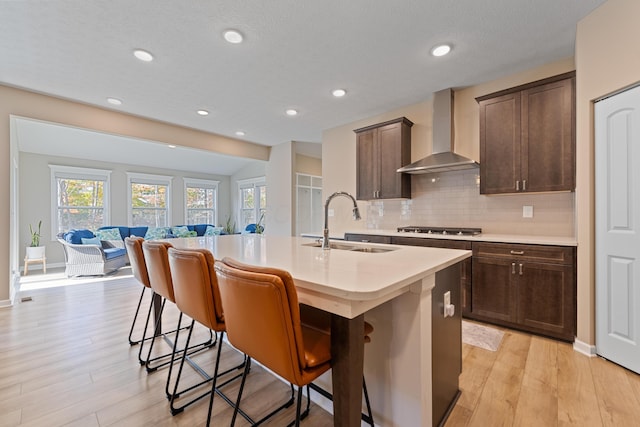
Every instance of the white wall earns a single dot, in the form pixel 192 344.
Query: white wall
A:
pixel 280 189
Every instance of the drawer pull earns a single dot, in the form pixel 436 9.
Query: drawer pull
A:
pixel 517 252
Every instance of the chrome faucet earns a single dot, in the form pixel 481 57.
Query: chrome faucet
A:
pixel 356 215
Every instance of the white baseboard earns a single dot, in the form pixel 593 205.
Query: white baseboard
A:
pixel 584 348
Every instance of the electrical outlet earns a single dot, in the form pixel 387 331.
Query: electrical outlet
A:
pixel 330 212
pixel 527 212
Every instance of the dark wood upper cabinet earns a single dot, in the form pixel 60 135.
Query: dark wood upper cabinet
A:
pixel 527 137
pixel 380 150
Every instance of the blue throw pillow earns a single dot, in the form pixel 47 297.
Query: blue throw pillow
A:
pixel 213 231
pixel 181 231
pixel 109 234
pixel 154 233
pixel 91 241
pixel 75 236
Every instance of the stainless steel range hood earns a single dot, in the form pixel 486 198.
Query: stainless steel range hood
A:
pixel 443 158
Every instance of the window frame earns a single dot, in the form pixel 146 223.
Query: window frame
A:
pixel 149 179
pixel 78 173
pixel 250 183
pixel 205 184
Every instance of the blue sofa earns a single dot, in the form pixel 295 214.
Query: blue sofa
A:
pixel 141 231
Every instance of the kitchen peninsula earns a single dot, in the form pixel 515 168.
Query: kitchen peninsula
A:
pixel 394 286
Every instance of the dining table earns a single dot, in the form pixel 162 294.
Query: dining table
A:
pixel 348 281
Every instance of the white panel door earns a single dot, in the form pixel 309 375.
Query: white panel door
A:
pixel 617 154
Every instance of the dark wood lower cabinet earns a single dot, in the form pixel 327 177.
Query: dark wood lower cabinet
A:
pixel 493 293
pixel 528 287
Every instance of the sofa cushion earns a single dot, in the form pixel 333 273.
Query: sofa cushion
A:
pixel 213 231
pixel 181 231
pixel 91 241
pixel 75 236
pixel 140 231
pixel 154 233
pixel 111 253
pixel 201 228
pixel 109 234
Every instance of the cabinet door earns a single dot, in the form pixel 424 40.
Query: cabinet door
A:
pixel 391 151
pixel 548 137
pixel 493 296
pixel 500 144
pixel 367 165
pixel 546 299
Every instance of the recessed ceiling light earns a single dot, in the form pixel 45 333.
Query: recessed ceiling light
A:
pixel 143 55
pixel 338 93
pixel 441 50
pixel 233 36
pixel 240 133
pixel 172 146
pixel 114 101
pixel 291 112
pixel 203 112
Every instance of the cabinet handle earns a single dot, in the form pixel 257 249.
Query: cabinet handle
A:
pixel 513 268
pixel 524 185
pixel 518 185
pixel 517 252
pixel 521 269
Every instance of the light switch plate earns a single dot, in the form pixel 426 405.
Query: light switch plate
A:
pixel 527 212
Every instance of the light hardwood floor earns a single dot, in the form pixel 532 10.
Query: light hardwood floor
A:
pixel 65 361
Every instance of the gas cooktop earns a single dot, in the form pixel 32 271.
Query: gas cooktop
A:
pixel 441 230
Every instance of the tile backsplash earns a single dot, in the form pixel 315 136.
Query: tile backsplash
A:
pixel 452 199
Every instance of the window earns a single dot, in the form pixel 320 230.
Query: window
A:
pixel 253 201
pixel 200 201
pixel 79 198
pixel 149 198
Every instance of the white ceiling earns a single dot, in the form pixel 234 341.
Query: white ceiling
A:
pixel 295 52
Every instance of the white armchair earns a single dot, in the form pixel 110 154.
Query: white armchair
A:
pixel 92 260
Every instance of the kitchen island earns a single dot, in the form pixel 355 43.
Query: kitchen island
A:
pixel 394 283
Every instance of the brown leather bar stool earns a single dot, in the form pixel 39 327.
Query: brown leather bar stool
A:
pixel 314 318
pixel 133 245
pixel 262 317
pixel 157 260
pixel 195 288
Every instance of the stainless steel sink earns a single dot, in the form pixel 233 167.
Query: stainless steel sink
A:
pixel 348 247
pixel 332 245
pixel 373 250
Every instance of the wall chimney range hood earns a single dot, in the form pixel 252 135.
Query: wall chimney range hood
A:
pixel 443 158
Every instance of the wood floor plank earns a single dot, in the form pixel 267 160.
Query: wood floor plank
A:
pixel 577 401
pixel 616 399
pixel 472 380
pixel 499 398
pixel 538 399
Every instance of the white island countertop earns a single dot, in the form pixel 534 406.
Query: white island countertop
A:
pixel 360 279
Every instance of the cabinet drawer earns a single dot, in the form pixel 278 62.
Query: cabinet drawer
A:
pixel 540 253
pixel 369 238
pixel 431 243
